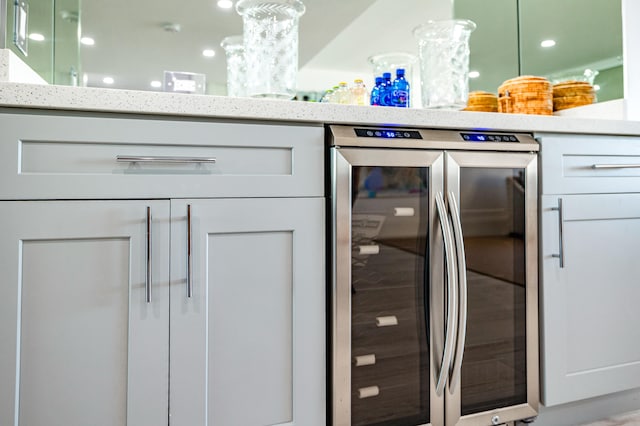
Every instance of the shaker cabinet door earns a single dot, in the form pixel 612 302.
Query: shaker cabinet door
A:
pixel 81 344
pixel 248 312
pixel 590 333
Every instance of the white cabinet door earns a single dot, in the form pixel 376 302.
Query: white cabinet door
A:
pixel 248 346
pixel 80 345
pixel 590 316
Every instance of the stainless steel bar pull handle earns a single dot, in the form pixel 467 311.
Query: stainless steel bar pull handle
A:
pixel 189 256
pixel 615 166
pixel 462 291
pixel 162 159
pixel 148 278
pixel 449 340
pixel 560 254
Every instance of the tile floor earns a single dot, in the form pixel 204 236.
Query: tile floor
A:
pixel 628 419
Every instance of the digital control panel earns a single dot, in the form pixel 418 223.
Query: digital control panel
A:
pixel 486 137
pixel 479 137
pixel 388 134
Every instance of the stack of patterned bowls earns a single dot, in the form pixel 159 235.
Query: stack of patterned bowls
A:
pixel 526 95
pixel 571 94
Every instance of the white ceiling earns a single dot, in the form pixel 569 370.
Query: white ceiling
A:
pixel 337 37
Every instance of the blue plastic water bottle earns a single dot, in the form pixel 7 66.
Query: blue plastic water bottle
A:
pixel 386 90
pixel 401 89
pixel 375 92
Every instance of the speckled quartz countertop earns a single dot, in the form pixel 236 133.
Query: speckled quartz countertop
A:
pixel 141 102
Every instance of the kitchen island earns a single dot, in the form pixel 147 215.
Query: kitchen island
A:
pixel 75 182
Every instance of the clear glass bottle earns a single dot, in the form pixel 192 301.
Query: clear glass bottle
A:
pixel 359 93
pixel 342 94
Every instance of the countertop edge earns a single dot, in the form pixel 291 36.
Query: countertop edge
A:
pixel 51 97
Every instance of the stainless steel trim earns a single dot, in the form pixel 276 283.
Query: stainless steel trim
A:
pixel 560 254
pixel 450 331
pixel 162 159
pixel 342 161
pixel 433 139
pixel 462 290
pixel 341 289
pixel 189 254
pixel 615 166
pixel 529 163
pixel 148 278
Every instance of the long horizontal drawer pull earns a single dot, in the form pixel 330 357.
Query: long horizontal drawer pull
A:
pixel 363 360
pixel 162 159
pixel 386 321
pixel 368 392
pixel 616 166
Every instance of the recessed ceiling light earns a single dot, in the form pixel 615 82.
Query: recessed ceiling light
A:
pixel 87 41
pixel 474 74
pixel 209 53
pixel 36 37
pixel 225 4
pixel 157 84
pixel 548 43
pixel 108 80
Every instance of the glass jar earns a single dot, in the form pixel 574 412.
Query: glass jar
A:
pixel 392 61
pixel 236 66
pixel 444 62
pixel 270 31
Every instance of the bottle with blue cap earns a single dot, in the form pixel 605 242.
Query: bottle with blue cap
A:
pixel 386 90
pixel 400 90
pixel 375 92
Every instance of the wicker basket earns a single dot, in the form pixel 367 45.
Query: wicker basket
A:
pixel 526 95
pixel 571 94
pixel 482 102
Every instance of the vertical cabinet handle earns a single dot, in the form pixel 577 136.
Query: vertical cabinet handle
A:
pixel 462 290
pixel 560 254
pixel 148 279
pixel 451 296
pixel 189 257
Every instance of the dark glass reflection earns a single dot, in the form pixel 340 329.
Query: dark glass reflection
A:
pixel 390 365
pixel 493 221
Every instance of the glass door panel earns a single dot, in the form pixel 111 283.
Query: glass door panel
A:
pixel 390 373
pixel 492 210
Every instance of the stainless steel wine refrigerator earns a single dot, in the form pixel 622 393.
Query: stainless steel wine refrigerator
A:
pixel 434 277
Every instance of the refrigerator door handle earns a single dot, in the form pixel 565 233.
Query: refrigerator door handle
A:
pixel 452 314
pixel 462 289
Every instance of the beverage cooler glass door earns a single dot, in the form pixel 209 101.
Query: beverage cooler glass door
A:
pixel 387 325
pixel 495 378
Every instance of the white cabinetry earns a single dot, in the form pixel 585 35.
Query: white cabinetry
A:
pixel 590 216
pixel 96 322
pixel 80 345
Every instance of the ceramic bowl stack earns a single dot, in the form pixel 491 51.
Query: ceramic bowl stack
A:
pixel 482 102
pixel 571 94
pixel 526 95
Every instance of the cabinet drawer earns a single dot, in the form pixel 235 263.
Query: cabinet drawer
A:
pixel 573 164
pixel 55 156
